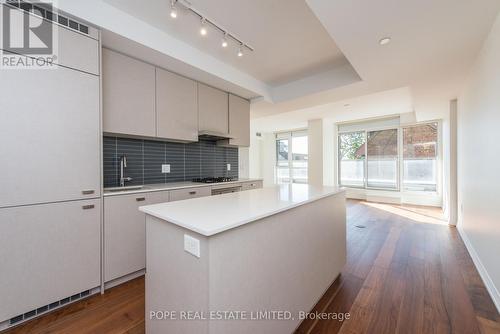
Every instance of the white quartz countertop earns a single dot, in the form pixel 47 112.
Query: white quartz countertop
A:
pixel 216 214
pixel 172 186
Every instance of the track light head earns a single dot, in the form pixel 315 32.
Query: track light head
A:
pixel 173 10
pixel 203 29
pixel 224 41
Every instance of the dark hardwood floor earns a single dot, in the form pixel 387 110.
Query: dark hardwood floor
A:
pixel 119 310
pixel 406 272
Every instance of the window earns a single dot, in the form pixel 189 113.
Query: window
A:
pixel 371 156
pixel 282 161
pixel 382 157
pixel 420 157
pixel 352 159
pixel 291 157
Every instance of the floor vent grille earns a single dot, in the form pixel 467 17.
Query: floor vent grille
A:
pixel 46 308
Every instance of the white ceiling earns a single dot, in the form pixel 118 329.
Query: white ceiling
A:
pixel 433 45
pixel 429 38
pixel 297 66
pixel 290 43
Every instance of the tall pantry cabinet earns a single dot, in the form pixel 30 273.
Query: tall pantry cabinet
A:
pixel 50 186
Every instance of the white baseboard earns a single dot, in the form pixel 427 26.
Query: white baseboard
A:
pixel 488 282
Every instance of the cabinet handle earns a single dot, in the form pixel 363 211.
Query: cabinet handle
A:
pixel 88 192
pixel 192 193
pixel 140 199
pixel 87 207
pixel 252 184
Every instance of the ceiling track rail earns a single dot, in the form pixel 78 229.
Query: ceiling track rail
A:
pixel 187 5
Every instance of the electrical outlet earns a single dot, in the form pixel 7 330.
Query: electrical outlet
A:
pixel 165 168
pixel 192 245
pixel 228 166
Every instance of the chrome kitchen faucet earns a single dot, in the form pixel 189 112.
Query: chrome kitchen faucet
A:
pixel 123 164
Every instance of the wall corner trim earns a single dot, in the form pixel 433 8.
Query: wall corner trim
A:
pixel 488 282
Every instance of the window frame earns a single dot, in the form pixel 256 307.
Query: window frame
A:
pixel 339 166
pixel 400 160
pixel 439 161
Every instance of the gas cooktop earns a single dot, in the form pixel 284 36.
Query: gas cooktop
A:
pixel 215 179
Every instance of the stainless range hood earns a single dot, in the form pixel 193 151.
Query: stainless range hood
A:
pixel 214 136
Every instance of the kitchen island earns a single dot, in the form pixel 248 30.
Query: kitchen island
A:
pixel 246 262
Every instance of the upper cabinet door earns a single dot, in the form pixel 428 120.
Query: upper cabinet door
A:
pixel 239 121
pixel 213 109
pixel 128 95
pixel 176 106
pixel 78 51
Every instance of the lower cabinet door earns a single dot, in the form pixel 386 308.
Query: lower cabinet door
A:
pixel 48 252
pixel 125 233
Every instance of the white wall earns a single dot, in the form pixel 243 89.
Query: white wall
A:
pixel 243 162
pixel 268 158
pixel 329 153
pixel 254 156
pixel 479 161
pixel 315 152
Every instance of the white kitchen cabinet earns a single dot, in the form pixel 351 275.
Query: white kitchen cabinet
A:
pixel 125 232
pixel 50 136
pixel 239 121
pixel 213 109
pixel 251 185
pixel 176 107
pixel 128 95
pixel 180 194
pixel 78 51
pixel 48 252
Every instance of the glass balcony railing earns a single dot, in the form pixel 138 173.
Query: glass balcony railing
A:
pixel 418 174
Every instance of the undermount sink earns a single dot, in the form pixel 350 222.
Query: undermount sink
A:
pixel 114 189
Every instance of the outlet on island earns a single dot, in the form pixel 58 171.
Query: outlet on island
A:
pixel 192 245
pixel 165 168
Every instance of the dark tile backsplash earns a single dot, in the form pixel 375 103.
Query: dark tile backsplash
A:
pixel 145 157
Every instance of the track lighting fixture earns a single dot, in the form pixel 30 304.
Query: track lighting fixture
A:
pixel 203 29
pixel 206 22
pixel 224 41
pixel 173 10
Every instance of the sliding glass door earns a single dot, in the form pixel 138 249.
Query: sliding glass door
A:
pixel 420 170
pixel 299 157
pixel 369 159
pixel 379 155
pixel 382 159
pixel 291 157
pixel 352 153
pixel 282 160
